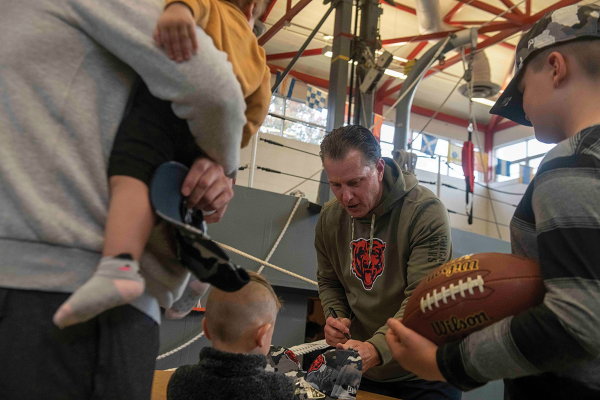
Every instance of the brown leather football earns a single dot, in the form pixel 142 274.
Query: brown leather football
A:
pixel 472 292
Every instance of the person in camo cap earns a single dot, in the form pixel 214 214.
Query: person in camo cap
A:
pixel 551 351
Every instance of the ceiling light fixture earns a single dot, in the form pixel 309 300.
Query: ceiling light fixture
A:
pixel 327 37
pixel 485 101
pixel 395 74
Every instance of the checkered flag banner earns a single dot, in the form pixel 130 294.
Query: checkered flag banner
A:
pixel 316 97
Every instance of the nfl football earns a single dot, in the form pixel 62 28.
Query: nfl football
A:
pixel 472 292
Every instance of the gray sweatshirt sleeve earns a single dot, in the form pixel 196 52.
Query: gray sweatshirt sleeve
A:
pixel 203 90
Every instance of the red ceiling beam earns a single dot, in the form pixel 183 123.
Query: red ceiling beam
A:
pixel 495 11
pixel 556 6
pixel 440 35
pixel 418 38
pixel 452 12
pixel 451 119
pixel 401 7
pixel 291 54
pixel 268 10
pixel 515 10
pixel 313 80
pixel 505 125
pixel 503 44
pixel 464 23
pixel 323 83
pixel 282 21
pixel 413 54
pixel 528 7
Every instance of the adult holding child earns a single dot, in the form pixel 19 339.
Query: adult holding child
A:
pixel 66 73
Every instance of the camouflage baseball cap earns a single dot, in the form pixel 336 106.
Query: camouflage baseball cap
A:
pixel 563 25
pixel 337 373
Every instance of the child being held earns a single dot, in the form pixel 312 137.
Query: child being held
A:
pixel 150 134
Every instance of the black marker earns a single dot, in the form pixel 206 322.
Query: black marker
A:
pixel 334 315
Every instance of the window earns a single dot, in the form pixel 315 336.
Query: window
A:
pixel 295 120
pixel 386 140
pixel 430 164
pixel 528 152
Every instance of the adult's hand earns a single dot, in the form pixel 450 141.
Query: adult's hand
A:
pixel 207 188
pixel 368 353
pixel 414 352
pixel 335 329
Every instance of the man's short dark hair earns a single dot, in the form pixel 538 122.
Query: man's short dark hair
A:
pixel 340 141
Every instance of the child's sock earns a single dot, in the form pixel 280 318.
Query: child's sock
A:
pixel 190 297
pixel 117 281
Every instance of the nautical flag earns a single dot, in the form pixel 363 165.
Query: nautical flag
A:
pixel 478 166
pixel 377 122
pixel 316 97
pixel 454 154
pixel 286 89
pixel 526 174
pixel 503 168
pixel 468 165
pixel 428 144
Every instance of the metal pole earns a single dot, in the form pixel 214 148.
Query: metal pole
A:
pixel 439 178
pixel 304 46
pixel 253 160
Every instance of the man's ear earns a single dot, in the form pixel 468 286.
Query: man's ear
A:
pixel 260 333
pixel 205 328
pixel 559 67
pixel 380 166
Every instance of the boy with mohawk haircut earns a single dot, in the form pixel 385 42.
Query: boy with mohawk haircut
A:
pixel 551 351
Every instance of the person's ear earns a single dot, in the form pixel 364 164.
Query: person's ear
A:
pixel 559 68
pixel 260 335
pixel 249 10
pixel 205 329
pixel 380 166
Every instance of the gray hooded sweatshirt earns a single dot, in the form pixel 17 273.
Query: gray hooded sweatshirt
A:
pixel 66 69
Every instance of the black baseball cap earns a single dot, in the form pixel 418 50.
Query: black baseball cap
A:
pixel 559 26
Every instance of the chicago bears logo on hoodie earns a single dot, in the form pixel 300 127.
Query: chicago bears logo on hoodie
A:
pixel 366 273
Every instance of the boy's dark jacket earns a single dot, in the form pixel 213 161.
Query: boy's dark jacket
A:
pixel 220 375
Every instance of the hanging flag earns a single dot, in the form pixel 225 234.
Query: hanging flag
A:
pixel 377 122
pixel 526 174
pixel 503 167
pixel 454 154
pixel 478 166
pixel 428 144
pixel 468 165
pixel 286 89
pixel 316 97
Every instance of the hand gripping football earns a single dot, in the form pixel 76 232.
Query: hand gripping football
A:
pixel 472 292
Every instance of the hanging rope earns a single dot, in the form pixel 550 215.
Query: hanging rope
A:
pixel 258 260
pixel 304 181
pixel 287 224
pixel 175 350
pixel 474 122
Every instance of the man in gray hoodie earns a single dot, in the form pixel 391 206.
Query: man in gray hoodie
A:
pixel 66 69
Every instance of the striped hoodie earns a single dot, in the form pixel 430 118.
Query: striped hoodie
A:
pixel 551 351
